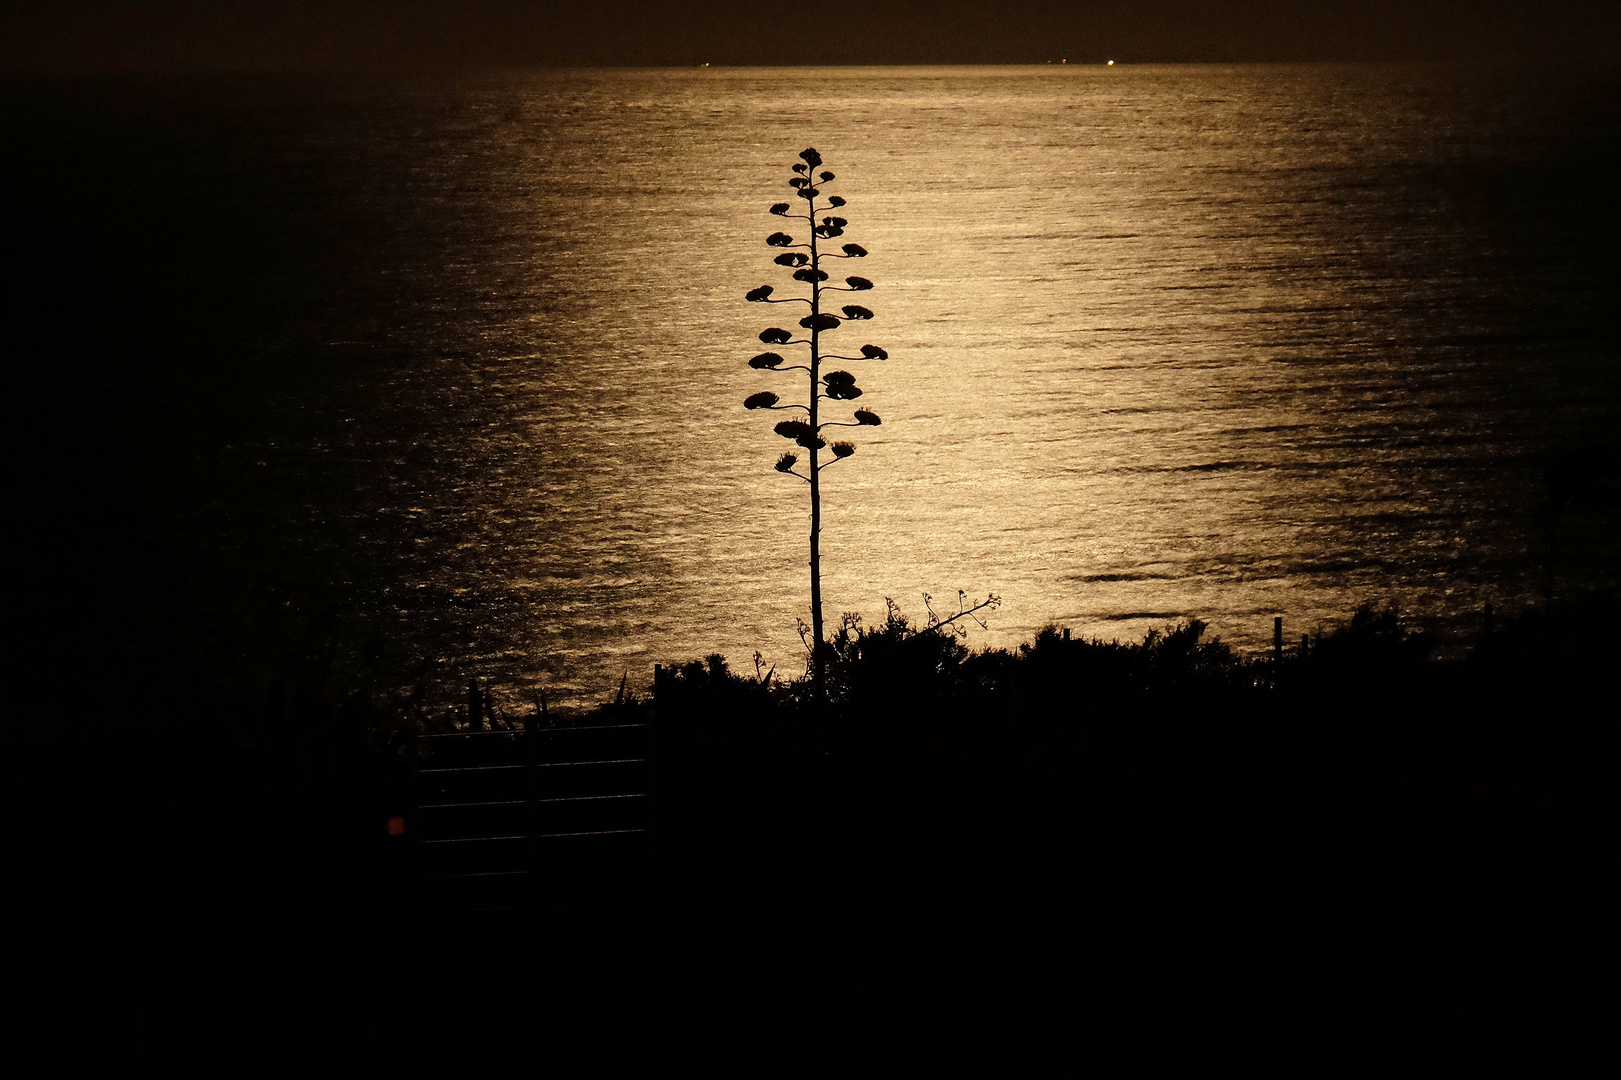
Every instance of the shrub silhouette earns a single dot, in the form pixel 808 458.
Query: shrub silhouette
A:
pixel 1372 641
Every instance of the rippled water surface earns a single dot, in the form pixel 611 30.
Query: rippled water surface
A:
pixel 1165 343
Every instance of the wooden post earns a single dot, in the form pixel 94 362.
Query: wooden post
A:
pixel 475 713
pixel 1468 1033
pixel 531 741
pixel 413 820
pixel 1277 640
pixel 1066 633
pixel 1261 1034
pixel 602 1012
pixel 830 990
pixel 1305 646
pixel 655 783
pixel 368 1012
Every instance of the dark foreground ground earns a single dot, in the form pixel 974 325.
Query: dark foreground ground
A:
pixel 1074 858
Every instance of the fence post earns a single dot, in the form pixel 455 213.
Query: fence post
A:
pixel 830 990
pixel 1468 1036
pixel 1277 640
pixel 655 781
pixel 602 1011
pixel 531 742
pixel 368 1019
pixel 413 821
pixel 475 714
pixel 1262 1035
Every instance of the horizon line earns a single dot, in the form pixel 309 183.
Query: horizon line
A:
pixel 515 69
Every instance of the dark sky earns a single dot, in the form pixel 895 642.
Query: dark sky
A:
pixel 279 35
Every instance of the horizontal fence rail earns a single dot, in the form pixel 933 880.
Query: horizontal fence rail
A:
pixel 509 820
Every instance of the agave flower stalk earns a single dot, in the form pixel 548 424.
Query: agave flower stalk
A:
pixel 805 263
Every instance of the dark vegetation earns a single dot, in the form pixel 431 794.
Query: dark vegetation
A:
pixel 1360 800
pixel 1358 805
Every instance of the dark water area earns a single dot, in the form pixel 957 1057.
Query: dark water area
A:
pixel 154 285
pixel 421 371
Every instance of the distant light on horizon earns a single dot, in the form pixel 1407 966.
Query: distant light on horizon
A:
pixel 363 36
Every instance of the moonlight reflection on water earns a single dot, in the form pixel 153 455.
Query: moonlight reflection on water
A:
pixel 1165 342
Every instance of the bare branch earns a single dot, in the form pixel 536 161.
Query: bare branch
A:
pixel 991 601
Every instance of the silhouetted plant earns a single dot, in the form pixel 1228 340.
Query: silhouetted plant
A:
pixel 1373 640
pixel 804 260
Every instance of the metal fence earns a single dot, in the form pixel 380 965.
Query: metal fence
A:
pixel 508 820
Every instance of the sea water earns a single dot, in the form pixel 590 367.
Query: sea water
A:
pixel 1164 343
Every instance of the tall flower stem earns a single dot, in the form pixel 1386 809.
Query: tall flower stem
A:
pixel 805 262
pixel 818 681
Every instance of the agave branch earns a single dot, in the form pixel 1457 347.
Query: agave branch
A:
pixel 786 463
pixel 779 336
pixel 841 450
pixel 864 418
pixel 767 400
